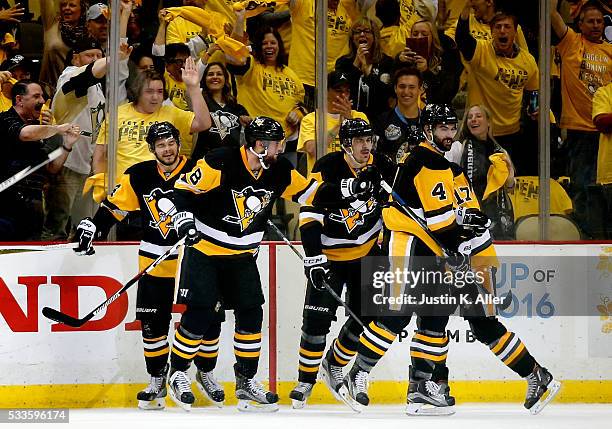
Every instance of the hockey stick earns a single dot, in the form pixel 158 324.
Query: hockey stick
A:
pixel 60 317
pixel 506 300
pixel 29 170
pixel 325 284
pixel 65 246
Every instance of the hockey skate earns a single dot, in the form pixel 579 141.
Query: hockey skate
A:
pixel 427 398
pixel 300 394
pixel 332 377
pixel 252 396
pixel 354 389
pixel 180 389
pixel 210 388
pixel 445 390
pixel 153 397
pixel 541 389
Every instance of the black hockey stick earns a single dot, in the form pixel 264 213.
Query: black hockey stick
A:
pixel 66 319
pixel 29 170
pixel 506 300
pixel 325 284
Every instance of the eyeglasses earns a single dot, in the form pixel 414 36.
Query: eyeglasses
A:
pixel 179 61
pixel 362 30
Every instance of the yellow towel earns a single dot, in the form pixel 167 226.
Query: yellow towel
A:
pixel 99 189
pixel 497 174
pixel 213 23
pixel 256 7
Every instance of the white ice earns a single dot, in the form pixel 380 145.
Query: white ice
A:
pixel 468 416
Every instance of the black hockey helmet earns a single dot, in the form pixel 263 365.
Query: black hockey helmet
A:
pixel 436 114
pixel 415 136
pixel 162 130
pixel 353 128
pixel 263 128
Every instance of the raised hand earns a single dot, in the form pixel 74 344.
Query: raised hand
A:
pixel 12 14
pixel 190 73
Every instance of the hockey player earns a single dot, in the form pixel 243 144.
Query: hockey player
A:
pixel 426 183
pixel 506 345
pixel 334 242
pixel 146 189
pixel 223 205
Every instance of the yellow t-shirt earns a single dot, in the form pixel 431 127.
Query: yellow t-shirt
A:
pixel 177 91
pixel 302 54
pixel 585 67
pixel 308 132
pixel 525 197
pixel 602 103
pixel 133 127
pixel 393 40
pixel 265 90
pixel 408 14
pixel 499 82
pixel 5 103
pixel 284 29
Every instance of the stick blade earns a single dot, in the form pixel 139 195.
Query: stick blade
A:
pixel 59 317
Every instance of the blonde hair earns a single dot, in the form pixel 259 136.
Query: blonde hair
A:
pixel 374 25
pixel 435 57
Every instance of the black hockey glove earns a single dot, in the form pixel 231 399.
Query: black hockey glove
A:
pixel 317 270
pixel 473 219
pixel 366 182
pixel 185 226
pixel 457 261
pixel 86 230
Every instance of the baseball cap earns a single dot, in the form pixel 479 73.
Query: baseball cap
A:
pixel 336 79
pixel 96 10
pixel 81 45
pixel 14 62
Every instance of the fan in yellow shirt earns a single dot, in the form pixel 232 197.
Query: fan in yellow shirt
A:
pixel 339 108
pixel 135 118
pixel 602 117
pixel 266 85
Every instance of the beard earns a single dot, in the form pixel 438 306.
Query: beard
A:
pixel 167 163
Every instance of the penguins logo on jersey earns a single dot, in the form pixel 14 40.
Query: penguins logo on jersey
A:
pixel 355 215
pixel 248 203
pixel 223 123
pixel 162 209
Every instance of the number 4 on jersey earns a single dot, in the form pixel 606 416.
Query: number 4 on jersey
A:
pixel 439 191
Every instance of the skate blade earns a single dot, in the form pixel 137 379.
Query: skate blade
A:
pixel 155 404
pixel 297 405
pixel 185 406
pixel 420 409
pixel 332 390
pixel 346 398
pixel 551 391
pixel 246 405
pixel 207 396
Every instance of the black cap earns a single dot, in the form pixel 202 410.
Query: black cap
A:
pixel 14 62
pixel 82 45
pixel 337 78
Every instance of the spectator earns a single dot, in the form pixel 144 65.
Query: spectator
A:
pixel 145 109
pixel 441 68
pixel 180 30
pixel 585 67
pixel 392 36
pixel 340 15
pixel 63 24
pixel 604 5
pixel 266 85
pixel 399 129
pixel 488 167
pixel 79 99
pixel 602 118
pixel 228 117
pixel 97 23
pixel 14 69
pixel 339 108
pixel 175 56
pixel 368 68
pixel 500 72
pixel 25 136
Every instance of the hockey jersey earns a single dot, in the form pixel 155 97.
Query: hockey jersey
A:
pixel 433 188
pixel 145 189
pixel 232 205
pixel 346 233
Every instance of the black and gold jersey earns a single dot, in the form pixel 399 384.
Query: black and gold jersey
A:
pixel 426 183
pixel 346 233
pixel 232 204
pixel 146 189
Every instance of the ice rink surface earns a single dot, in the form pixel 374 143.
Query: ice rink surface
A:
pixel 468 416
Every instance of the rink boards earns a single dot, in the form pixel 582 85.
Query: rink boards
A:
pixel 102 365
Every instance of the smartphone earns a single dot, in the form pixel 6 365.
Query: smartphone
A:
pixel 419 45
